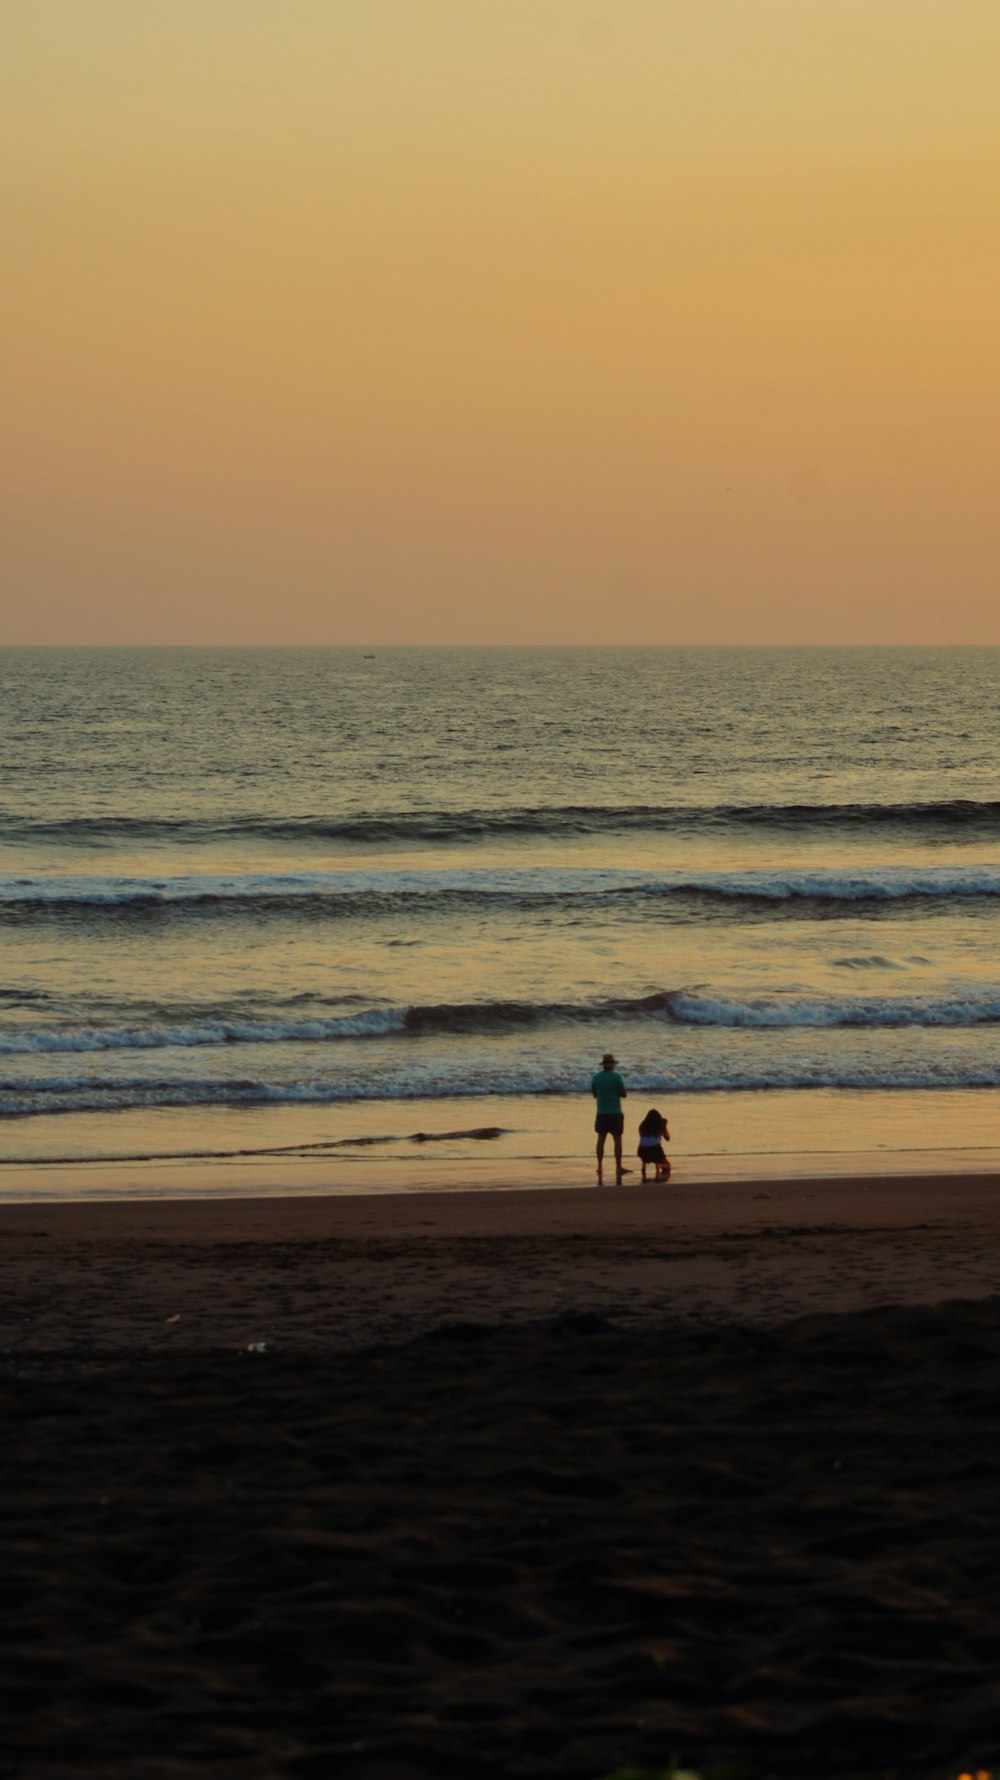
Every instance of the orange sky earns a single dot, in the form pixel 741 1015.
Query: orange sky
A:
pixel 535 320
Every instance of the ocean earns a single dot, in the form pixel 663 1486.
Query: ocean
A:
pixel 344 919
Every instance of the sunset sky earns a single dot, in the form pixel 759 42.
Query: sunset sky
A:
pixel 374 321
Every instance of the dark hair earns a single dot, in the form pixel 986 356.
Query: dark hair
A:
pixel 653 1114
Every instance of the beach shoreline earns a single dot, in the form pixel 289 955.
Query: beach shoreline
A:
pixel 427 1166
pixel 478 1145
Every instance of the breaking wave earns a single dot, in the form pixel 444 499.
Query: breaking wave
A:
pixel 678 1007
pixel 329 894
pixel 21 1098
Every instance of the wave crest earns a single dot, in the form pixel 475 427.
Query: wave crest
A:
pixel 678 1007
pixel 871 1072
pixel 328 894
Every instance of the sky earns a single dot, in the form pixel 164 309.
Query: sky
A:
pixel 513 321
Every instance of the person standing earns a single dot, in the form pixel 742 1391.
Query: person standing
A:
pixel 609 1091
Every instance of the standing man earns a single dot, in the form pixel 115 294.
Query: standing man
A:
pixel 609 1091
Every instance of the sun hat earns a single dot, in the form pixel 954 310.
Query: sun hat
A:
pixel 607 1061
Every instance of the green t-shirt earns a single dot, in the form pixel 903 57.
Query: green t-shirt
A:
pixel 608 1087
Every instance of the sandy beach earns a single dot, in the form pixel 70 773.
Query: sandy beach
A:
pixel 317 1273
pixel 506 1483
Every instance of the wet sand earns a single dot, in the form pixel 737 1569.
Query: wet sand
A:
pixel 535 1484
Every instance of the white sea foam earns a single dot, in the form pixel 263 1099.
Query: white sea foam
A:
pixel 841 884
pixel 191 1035
pixel 973 1006
pixel 866 1069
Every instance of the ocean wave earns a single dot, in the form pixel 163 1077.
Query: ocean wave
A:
pixel 960 1008
pixel 332 893
pixel 193 1034
pixel 419 1021
pixel 408 827
pixel 691 1076
pixel 679 1007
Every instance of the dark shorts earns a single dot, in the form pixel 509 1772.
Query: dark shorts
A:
pixel 612 1123
pixel 651 1153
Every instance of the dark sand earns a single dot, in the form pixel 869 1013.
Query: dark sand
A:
pixel 521 1484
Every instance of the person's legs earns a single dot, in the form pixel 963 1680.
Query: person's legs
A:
pixel 604 1121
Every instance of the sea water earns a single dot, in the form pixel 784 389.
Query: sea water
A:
pixel 313 903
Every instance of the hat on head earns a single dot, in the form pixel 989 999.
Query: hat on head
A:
pixel 607 1061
